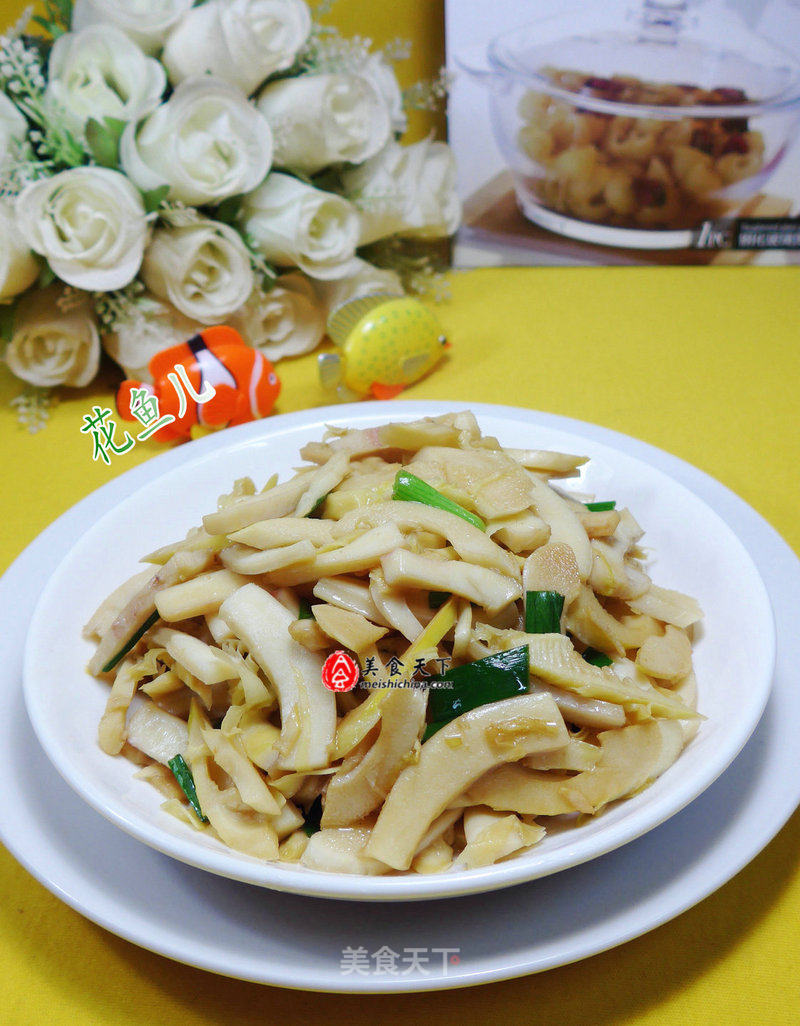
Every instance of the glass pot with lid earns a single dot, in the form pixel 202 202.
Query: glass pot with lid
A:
pixel 633 132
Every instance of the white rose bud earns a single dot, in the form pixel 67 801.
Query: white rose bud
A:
pixel 146 22
pixel 90 225
pixel 99 72
pixel 55 340
pixel 152 326
pixel 18 266
pixel 294 224
pixel 285 321
pixel 203 269
pixel 364 280
pixel 318 120
pixel 207 142
pixel 406 190
pixel 240 41
pixel 13 126
pixel 381 74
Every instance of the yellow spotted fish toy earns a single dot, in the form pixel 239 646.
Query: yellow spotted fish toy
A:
pixel 384 344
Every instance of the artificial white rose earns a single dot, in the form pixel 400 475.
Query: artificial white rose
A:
pixel 203 269
pixel 240 41
pixel 146 22
pixel 153 325
pixel 207 142
pixel 99 72
pixel 381 74
pixel 55 339
pixel 406 190
pixel 90 225
pixel 319 120
pixel 13 126
pixel 285 321
pixel 18 266
pixel 364 280
pixel 294 224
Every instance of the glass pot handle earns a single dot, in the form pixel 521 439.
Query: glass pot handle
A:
pixel 662 21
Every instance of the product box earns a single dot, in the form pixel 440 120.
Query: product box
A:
pixel 629 132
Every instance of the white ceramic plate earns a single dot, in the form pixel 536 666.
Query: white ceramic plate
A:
pixel 230 928
pixel 694 551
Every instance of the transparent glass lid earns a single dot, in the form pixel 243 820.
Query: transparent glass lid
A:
pixel 708 76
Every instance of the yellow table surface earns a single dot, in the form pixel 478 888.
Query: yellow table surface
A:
pixel 702 362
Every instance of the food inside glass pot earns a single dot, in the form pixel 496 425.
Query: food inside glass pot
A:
pixel 636 172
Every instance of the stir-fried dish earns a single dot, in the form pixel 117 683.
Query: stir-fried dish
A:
pixel 415 655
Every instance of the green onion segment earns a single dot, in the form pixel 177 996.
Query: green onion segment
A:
pixel 313 817
pixel 112 662
pixel 183 775
pixel 543 612
pixel 498 676
pixel 409 488
pixel 597 658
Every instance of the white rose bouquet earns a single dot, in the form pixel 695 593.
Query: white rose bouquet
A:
pixel 171 164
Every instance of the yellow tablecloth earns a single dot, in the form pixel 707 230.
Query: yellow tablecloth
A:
pixel 702 362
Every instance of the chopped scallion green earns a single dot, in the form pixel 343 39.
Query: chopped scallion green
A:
pixel 543 612
pixel 597 658
pixel 304 612
pixel 498 676
pixel 436 599
pixel 318 505
pixel 314 817
pixel 131 642
pixel 600 507
pixel 409 488
pixel 183 775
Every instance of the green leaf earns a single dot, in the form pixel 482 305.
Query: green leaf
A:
pixel 65 10
pixel 498 676
pixel 50 27
pixel 154 198
pixel 103 140
pixel 183 775
pixel 7 313
pixel 543 612
pixel 46 277
pixel 228 210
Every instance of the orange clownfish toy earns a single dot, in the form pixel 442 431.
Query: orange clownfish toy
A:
pixel 212 381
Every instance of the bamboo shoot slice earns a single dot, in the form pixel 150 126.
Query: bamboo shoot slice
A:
pixel 354 794
pixel 452 759
pixel 308 708
pixel 565 527
pixel 488 588
pixel 202 596
pixel 472 544
pixel 341 850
